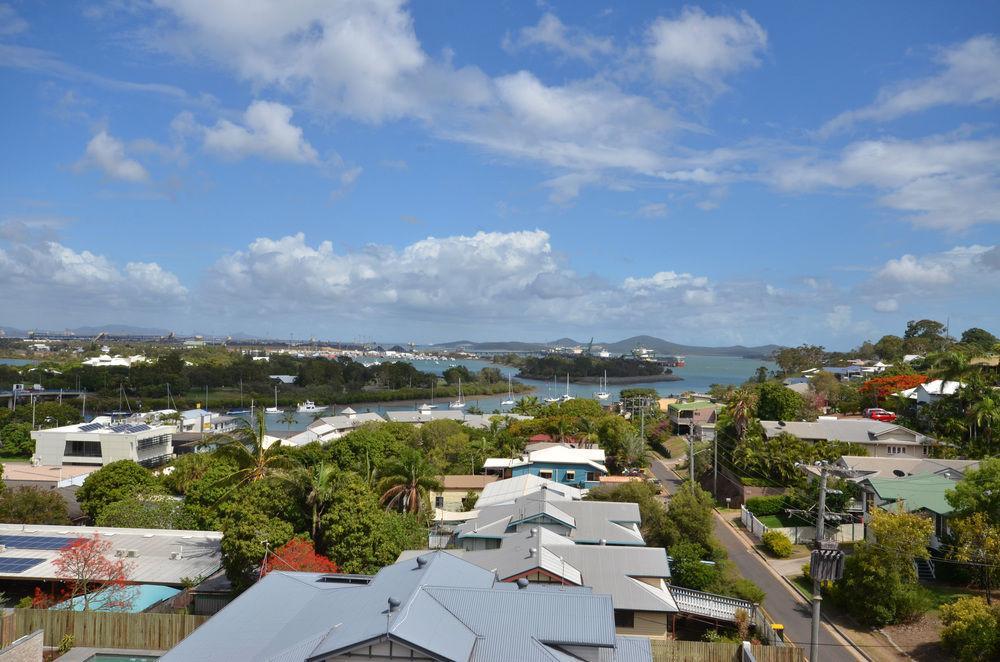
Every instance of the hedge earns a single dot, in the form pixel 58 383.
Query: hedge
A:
pixel 777 544
pixel 766 505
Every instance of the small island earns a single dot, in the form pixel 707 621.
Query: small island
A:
pixel 588 369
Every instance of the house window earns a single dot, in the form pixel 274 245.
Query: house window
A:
pixel 545 473
pixel 439 502
pixel 570 475
pixel 624 618
pixel 591 476
pixel 83 448
pixel 924 449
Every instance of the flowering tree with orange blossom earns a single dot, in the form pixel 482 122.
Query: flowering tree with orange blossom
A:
pixel 89 573
pixel 882 387
pixel 297 555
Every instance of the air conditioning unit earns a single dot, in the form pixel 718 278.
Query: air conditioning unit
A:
pixel 131 553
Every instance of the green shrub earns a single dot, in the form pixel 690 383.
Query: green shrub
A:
pixel 971 629
pixel 745 589
pixel 66 643
pixel 777 544
pixel 766 505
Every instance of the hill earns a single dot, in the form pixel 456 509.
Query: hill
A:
pixel 659 345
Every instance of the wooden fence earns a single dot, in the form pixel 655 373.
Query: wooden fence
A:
pixel 700 651
pixel 100 629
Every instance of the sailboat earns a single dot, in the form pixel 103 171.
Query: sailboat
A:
pixel 567 396
pixel 241 411
pixel 460 403
pixel 553 398
pixel 430 405
pixel 274 409
pixel 603 394
pixel 509 402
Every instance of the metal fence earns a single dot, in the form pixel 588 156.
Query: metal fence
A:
pixel 100 629
pixel 802 535
pixel 684 651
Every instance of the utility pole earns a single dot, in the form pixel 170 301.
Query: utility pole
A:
pixel 691 459
pixel 715 467
pixel 817 581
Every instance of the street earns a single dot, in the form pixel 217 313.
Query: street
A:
pixel 781 603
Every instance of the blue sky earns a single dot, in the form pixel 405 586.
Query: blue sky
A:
pixel 712 173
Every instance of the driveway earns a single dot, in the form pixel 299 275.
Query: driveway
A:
pixel 782 603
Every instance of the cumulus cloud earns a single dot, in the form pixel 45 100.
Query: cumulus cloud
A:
pixel 889 305
pixel 940 182
pixel 553 35
pixel 267 131
pixel 106 153
pixel 702 48
pixel 970 75
pixel 937 269
pixel 48 276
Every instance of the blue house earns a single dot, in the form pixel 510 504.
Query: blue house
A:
pixel 579 467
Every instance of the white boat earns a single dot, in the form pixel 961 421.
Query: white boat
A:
pixel 509 402
pixel 460 403
pixel 274 409
pixel 309 407
pixel 430 405
pixel 603 394
pixel 567 397
pixel 552 399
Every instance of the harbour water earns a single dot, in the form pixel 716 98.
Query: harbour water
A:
pixel 697 376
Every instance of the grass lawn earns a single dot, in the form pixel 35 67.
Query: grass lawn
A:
pixel 781 521
pixel 943 594
pixel 677 446
pixel 13 458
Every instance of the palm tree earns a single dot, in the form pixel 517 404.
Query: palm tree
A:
pixel 985 414
pixel 743 409
pixel 634 450
pixel 247 448
pixel 528 405
pixel 404 481
pixel 951 366
pixel 587 429
pixel 317 483
pixel 288 418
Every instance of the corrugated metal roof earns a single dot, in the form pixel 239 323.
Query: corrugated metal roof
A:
pixel 507 490
pixel 926 492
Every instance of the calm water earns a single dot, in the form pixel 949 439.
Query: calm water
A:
pixel 699 374
pixel 17 361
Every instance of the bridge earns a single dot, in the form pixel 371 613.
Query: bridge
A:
pixel 47 394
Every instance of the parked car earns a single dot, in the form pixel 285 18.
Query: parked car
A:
pixel 879 414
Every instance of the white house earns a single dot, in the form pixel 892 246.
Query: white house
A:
pixel 881 439
pixel 103 441
pixel 931 391
pixel 106 361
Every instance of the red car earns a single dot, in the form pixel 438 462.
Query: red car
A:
pixel 879 414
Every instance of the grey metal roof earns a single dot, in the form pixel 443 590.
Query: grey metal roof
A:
pixel 633 649
pixel 614 570
pixel 854 430
pixel 588 521
pixel 451 609
pixel 509 489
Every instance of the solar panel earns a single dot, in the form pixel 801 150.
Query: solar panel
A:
pixel 90 427
pixel 15 565
pixel 34 542
pixel 119 428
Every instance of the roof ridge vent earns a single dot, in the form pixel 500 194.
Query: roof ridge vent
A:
pixel 422 561
pixel 531 552
pixel 522 583
pixel 393 604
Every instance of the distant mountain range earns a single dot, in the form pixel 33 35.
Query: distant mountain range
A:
pixel 658 345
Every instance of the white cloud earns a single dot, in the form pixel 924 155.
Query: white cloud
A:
pixel 107 154
pixel 940 182
pixel 653 210
pixel 70 280
pixel 703 48
pixel 267 132
pixel 970 76
pixel 552 34
pixel 699 297
pixel 937 269
pixel 10 22
pixel 889 305
pixel 663 280
pixel 839 318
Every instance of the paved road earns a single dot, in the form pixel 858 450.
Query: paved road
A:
pixel 781 605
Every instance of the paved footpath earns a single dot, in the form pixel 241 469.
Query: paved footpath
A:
pixel 783 604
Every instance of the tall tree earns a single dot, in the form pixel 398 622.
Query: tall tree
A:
pixel 247 448
pixel 405 481
pixel 113 482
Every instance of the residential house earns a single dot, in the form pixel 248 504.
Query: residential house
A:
pixel 931 392
pixel 454 488
pixel 881 439
pixel 924 495
pixel 167 557
pixel 583 522
pixel 859 467
pixel 636 578
pixel 684 416
pixel 329 428
pixel 509 490
pixel 580 467
pixel 428 606
pixel 64 479
pixel 210 422
pixel 103 441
